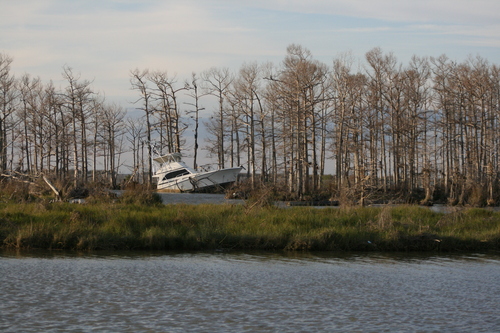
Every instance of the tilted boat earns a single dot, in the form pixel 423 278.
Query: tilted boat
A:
pixel 174 175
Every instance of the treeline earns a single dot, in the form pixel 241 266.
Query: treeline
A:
pixel 61 132
pixel 423 130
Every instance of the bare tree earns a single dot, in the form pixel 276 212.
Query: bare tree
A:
pixel 217 81
pixel 139 82
pixel 165 94
pixel 77 95
pixel 113 127
pixel 249 101
pixel 97 111
pixel 300 86
pixel 7 106
pixel 135 135
pixel 195 96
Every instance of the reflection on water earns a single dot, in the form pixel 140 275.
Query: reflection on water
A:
pixel 248 292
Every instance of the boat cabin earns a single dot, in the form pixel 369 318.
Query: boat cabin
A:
pixel 176 173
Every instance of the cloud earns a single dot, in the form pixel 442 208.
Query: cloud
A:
pixel 106 39
pixel 84 34
pixel 447 11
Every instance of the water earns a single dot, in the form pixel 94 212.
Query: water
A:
pixel 197 198
pixel 211 198
pixel 248 292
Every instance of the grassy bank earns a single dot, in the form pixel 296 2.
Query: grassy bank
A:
pixel 202 227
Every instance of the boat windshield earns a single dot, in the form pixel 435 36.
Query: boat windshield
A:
pixel 176 173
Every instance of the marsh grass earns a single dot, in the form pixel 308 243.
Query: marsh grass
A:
pixel 126 225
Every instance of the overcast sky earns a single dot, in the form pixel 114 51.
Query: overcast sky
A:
pixel 105 39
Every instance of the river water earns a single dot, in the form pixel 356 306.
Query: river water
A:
pixel 248 292
pixel 196 198
pixel 212 198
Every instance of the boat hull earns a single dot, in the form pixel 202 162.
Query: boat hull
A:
pixel 201 182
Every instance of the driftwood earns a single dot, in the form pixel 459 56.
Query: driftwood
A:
pixel 45 179
pixel 18 179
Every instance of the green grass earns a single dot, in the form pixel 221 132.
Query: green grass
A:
pixel 121 225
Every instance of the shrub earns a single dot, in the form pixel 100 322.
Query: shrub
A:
pixel 15 191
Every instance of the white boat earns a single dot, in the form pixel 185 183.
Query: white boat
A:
pixel 174 175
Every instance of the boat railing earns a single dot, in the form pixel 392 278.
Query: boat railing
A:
pixel 207 167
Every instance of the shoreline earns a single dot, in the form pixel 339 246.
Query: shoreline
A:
pixel 180 227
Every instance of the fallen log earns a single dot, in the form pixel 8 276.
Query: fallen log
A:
pixel 52 187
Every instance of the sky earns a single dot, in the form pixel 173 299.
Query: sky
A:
pixel 103 40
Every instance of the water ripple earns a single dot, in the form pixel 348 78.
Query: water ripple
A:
pixel 242 292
